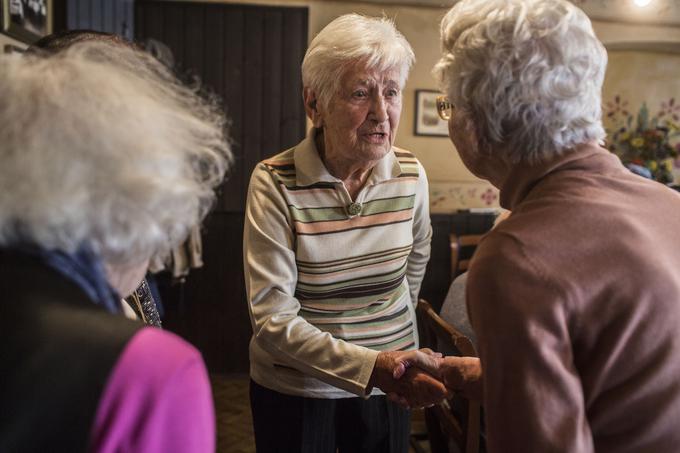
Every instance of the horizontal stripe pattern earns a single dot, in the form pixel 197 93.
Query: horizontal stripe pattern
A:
pixel 352 268
pixel 387 325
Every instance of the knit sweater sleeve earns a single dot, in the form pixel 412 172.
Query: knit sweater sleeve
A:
pixel 271 277
pixel 533 396
pixel 422 236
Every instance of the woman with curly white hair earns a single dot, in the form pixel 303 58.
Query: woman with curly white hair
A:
pixel 575 298
pixel 107 161
pixel 337 237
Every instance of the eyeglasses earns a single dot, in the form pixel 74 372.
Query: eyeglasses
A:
pixel 444 107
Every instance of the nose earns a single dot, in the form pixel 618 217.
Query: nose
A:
pixel 378 108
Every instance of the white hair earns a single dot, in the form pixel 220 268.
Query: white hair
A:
pixel 527 73
pixel 372 41
pixel 101 146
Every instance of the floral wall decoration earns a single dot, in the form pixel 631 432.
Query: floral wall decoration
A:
pixel 446 197
pixel 647 144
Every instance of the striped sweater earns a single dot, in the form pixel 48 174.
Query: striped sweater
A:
pixel 330 280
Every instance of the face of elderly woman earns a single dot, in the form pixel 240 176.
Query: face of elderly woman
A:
pixel 362 118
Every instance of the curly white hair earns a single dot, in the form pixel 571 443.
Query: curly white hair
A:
pixel 527 73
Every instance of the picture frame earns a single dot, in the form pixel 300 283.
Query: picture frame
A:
pixel 427 120
pixel 27 20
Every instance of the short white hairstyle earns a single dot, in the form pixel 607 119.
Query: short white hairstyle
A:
pixel 352 38
pixel 101 146
pixel 527 73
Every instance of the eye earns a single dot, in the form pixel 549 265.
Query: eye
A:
pixel 360 94
pixel 391 92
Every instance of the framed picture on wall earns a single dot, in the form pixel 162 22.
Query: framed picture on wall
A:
pixel 27 20
pixel 427 120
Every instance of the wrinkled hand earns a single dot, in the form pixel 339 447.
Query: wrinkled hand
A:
pixel 463 375
pixel 460 374
pixel 396 374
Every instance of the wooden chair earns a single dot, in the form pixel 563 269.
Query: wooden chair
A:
pixel 443 423
pixel 462 249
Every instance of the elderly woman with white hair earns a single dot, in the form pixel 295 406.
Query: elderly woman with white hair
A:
pixel 107 161
pixel 337 237
pixel 575 298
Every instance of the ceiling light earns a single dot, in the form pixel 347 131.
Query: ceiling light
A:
pixel 642 3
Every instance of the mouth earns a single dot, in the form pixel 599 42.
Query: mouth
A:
pixel 376 137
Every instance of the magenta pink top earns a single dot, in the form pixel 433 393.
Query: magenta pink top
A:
pixel 157 399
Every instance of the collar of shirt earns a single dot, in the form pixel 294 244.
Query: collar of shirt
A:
pixel 584 158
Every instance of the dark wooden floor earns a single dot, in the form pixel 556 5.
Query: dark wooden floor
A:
pixel 234 422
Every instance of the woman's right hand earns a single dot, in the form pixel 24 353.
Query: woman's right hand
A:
pixel 462 375
pixel 401 374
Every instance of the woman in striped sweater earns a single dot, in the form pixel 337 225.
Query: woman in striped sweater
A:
pixel 337 237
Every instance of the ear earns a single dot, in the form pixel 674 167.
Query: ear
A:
pixel 312 107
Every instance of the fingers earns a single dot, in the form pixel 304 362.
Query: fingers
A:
pixel 430 352
pixel 421 389
pixel 425 361
pixel 399 400
pixel 399 370
pixel 424 358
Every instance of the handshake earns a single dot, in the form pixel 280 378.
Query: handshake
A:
pixel 422 378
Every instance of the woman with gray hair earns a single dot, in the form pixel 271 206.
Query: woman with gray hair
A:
pixel 107 161
pixel 575 298
pixel 337 237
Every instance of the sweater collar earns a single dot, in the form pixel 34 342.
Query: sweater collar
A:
pixel 523 177
pixel 82 267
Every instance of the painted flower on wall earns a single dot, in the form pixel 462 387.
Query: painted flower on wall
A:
pixel 645 144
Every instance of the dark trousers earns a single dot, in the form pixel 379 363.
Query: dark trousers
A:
pixel 285 423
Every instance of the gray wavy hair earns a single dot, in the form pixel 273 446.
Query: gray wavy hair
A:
pixel 102 146
pixel 527 73
pixel 351 38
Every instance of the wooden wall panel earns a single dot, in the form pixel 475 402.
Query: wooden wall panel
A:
pixel 271 105
pixel 295 28
pixel 250 56
pixel 210 309
pixel 96 13
pixel 108 18
pixel 152 23
pixel 213 74
pixel 234 99
pixel 173 23
pixel 112 16
pixel 195 35
pixel 253 74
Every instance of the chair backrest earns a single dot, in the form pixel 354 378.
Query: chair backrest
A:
pixel 462 248
pixel 458 419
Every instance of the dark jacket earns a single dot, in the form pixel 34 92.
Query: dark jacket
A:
pixel 57 351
